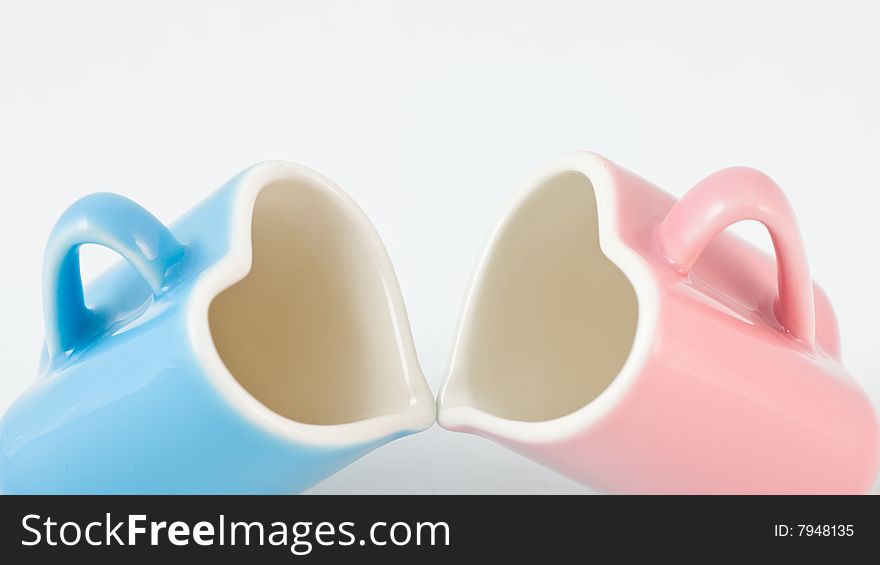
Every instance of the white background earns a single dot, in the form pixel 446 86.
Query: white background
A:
pixel 431 115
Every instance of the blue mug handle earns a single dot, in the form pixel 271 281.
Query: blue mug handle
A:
pixel 119 224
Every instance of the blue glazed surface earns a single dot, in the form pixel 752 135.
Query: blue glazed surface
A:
pixel 121 403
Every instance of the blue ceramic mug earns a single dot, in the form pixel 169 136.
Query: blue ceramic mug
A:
pixel 257 346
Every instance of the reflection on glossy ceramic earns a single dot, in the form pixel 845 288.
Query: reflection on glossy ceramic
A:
pixel 257 346
pixel 620 337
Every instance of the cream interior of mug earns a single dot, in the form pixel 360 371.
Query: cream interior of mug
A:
pixel 309 332
pixel 552 319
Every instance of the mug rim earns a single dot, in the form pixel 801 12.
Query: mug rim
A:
pixel 460 417
pixel 235 265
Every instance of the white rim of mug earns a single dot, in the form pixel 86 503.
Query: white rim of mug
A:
pixel 236 264
pixel 470 419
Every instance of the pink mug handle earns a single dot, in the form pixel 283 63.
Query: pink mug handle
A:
pixel 725 198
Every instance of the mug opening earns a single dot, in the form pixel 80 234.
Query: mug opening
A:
pixel 551 320
pixel 309 332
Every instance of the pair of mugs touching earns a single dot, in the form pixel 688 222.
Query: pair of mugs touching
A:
pixel 611 333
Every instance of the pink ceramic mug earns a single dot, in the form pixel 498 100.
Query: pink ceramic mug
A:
pixel 620 337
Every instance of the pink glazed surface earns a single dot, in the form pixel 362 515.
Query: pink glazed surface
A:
pixel 726 400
